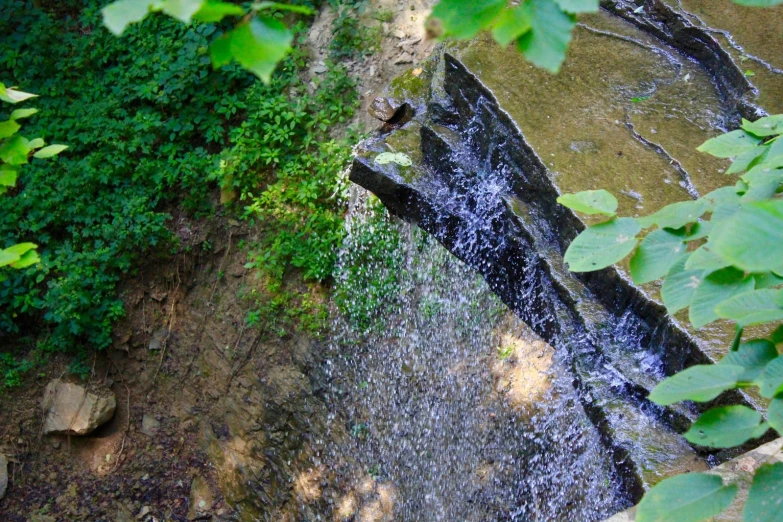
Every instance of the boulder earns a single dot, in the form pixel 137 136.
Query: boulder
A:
pixel 3 475
pixel 71 409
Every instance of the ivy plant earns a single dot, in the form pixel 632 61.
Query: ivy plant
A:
pixel 720 257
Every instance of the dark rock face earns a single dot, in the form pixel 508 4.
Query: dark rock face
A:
pixel 482 183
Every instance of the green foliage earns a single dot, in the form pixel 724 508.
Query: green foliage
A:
pixel 369 277
pixel 686 498
pixel 590 202
pixel 145 122
pixel 258 42
pixel 720 257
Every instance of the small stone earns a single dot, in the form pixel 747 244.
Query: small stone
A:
pixel 200 499
pixel 144 512
pixel 158 338
pixel 403 59
pixel 320 68
pixel 3 475
pixel 399 33
pixel 70 409
pixel 150 425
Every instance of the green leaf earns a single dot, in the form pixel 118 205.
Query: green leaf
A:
pixel 182 10
pixel 753 356
pixel 590 202
pixel 8 176
pixel 14 150
pixel 51 150
pixel 258 46
pixel 578 6
pixel 679 286
pixel 36 143
pixel 27 259
pixel 301 9
pixel 763 183
pixel 391 157
pixel 11 95
pixel 676 215
pixel 752 239
pixel 20 114
pixel 724 427
pixel 765 498
pixel 511 24
pixel 763 127
pixel 6 258
pixel 775 415
pixel 705 259
pixel 691 497
pixel 9 128
pixel 463 20
pixel 720 197
pixel 212 12
pixel 777 335
pixel 756 307
pixel 745 160
pixel 770 382
pixel 602 245
pixel 700 383
pixel 546 43
pixel 716 288
pixel 118 15
pixel 656 255
pixel 758 3
pixel 730 144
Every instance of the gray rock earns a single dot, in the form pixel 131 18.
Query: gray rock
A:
pixel 70 409
pixel 150 425
pixel 158 338
pixel 3 475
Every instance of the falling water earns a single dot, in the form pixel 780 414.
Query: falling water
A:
pixel 455 410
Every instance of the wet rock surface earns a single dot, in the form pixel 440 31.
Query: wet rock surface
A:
pixel 3 475
pixel 72 409
pixel 495 141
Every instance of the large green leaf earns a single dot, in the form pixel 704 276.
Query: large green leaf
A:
pixel 258 46
pixel 686 498
pixel 578 6
pixel 546 43
pixel 765 498
pixel 756 307
pixel 775 415
pixel 212 12
pixel 770 382
pixel 8 176
pixel 759 3
pixel 511 24
pixel 753 356
pixel 763 127
pixel 763 183
pixel 745 160
pixel 713 290
pixel 699 383
pixel 9 128
pixel 50 151
pixel 182 10
pixel 14 150
pixel 20 114
pixel 118 15
pixel 11 95
pixel 730 144
pixel 676 215
pixel 656 255
pixel 725 427
pixel 602 245
pixel 679 286
pixel 27 259
pixel 464 20
pixel 6 258
pixel 752 239
pixel 705 259
pixel 590 202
